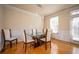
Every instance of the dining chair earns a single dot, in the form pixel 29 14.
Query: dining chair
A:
pixel 44 30
pixel 47 38
pixel 7 36
pixel 27 40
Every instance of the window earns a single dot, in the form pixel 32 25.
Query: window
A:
pixel 54 24
pixel 75 12
pixel 75 25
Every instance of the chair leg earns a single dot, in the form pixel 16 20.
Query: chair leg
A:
pixel 4 44
pixel 50 44
pixel 25 47
pixel 45 46
pixel 16 41
pixel 10 44
pixel 30 45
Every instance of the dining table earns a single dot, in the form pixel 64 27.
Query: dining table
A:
pixel 37 38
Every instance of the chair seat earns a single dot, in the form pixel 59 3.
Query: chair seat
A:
pixel 43 39
pixel 10 39
pixel 28 41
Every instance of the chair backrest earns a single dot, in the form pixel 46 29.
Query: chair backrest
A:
pixel 29 31
pixel 48 35
pixel 44 30
pixel 3 35
pixel 26 37
pixel 10 33
pixel 34 31
pixel 6 34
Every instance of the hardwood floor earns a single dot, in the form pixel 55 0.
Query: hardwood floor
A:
pixel 57 47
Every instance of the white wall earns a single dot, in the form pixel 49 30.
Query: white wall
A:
pixel 64 24
pixel 18 19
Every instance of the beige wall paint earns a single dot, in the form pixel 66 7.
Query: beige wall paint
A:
pixel 18 20
pixel 1 16
pixel 64 24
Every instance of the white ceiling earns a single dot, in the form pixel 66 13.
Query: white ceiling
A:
pixel 43 9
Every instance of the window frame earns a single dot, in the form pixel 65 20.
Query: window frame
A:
pixel 71 24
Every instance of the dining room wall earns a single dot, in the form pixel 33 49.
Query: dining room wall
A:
pixel 64 24
pixel 19 19
pixel 1 16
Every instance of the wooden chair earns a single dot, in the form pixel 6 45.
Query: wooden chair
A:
pixel 44 30
pixel 27 40
pixel 47 38
pixel 8 37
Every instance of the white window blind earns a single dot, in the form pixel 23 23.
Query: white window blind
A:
pixel 54 24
